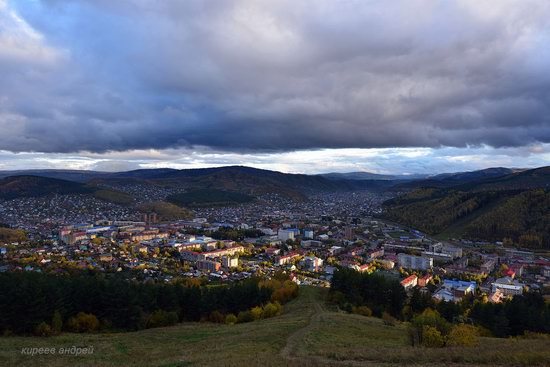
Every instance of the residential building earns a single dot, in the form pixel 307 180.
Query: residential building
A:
pixel 489 265
pixel 229 262
pixel 508 286
pixel 208 265
pixel 286 259
pixel 424 280
pixel 313 263
pixel 439 256
pixel 349 233
pixel 409 282
pixel 414 262
pixel 285 234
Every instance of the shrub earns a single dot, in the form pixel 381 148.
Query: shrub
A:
pixel 57 322
pixel 407 313
pixel 160 318
pixel 533 335
pixel 362 310
pixel 463 336
pixel 271 309
pixel 414 335
pixel 288 291
pixel 388 319
pixel 83 323
pixel 431 318
pixel 281 295
pixel 482 331
pixel 336 297
pixel 217 316
pixel 230 319
pixel 257 312
pixel 431 337
pixel 245 316
pixel 43 329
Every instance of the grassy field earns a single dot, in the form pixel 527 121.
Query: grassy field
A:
pixel 358 338
pixel 305 335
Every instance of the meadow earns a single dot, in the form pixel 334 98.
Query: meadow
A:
pixel 307 334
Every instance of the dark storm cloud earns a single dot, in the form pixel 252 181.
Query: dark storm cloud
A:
pixel 272 76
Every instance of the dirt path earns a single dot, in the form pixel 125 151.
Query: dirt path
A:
pixel 297 338
pixel 288 353
pixel 293 340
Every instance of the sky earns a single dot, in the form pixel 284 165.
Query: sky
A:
pixel 311 86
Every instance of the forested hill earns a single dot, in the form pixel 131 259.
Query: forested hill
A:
pixel 245 180
pixel 30 186
pixel 516 206
pixel 14 187
pixel 446 180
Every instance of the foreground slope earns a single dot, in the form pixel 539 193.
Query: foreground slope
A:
pixel 307 334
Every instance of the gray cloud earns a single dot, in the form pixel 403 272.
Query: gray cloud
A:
pixel 272 76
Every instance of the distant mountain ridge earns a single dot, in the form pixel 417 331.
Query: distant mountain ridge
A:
pixel 246 180
pixel 458 178
pixel 371 176
pixel 475 175
pixel 253 181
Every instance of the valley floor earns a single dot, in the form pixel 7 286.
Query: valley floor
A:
pixel 307 334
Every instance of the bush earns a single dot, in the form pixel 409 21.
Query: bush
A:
pixel 431 337
pixel 245 316
pixel 57 322
pixel 336 297
pixel 362 310
pixel 388 319
pixel 463 336
pixel 256 312
pixel 271 310
pixel 533 335
pixel 161 318
pixel 230 319
pixel 217 317
pixel 43 329
pixel 431 318
pixel 482 331
pixel 83 323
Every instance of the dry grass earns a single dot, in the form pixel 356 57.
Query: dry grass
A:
pixel 365 339
pixel 334 339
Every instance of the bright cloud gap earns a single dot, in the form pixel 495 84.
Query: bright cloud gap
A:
pixel 383 160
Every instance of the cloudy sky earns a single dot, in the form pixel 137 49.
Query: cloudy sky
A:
pixel 412 86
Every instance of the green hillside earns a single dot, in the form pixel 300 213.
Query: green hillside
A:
pixel 209 197
pixel 523 216
pixel 166 211
pixel 307 334
pixel 11 235
pixel 247 180
pixel 114 196
pixel 31 186
pixel 14 187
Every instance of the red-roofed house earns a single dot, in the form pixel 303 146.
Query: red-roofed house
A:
pixel 422 282
pixel 285 259
pixel 410 282
pixel 363 268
